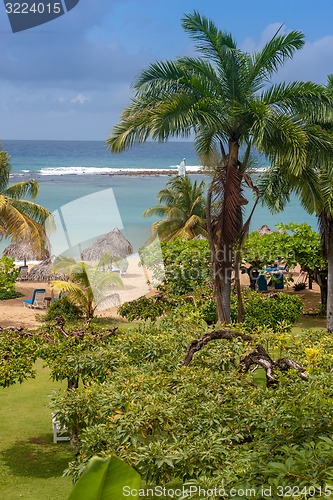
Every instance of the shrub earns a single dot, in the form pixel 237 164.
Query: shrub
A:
pixel 8 275
pixel 65 308
pixel 9 294
pixel 145 308
pixel 186 265
pixel 270 310
pixel 208 311
pixel 207 424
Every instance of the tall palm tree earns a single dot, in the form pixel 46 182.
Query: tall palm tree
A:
pixel 224 99
pixel 183 208
pixel 88 286
pixel 20 219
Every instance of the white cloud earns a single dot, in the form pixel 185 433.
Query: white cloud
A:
pixel 80 99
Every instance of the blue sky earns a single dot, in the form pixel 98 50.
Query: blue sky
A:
pixel 70 78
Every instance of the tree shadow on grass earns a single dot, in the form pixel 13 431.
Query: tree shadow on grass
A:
pixel 37 457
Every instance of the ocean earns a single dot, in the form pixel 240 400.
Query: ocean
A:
pixel 91 190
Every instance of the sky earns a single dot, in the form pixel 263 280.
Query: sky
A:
pixel 71 78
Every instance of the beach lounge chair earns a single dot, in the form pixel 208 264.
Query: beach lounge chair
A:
pixel 262 283
pixel 278 281
pixel 23 273
pixel 38 299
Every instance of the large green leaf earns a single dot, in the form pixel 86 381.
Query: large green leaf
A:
pixel 105 480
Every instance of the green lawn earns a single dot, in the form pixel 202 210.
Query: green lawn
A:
pixel 31 465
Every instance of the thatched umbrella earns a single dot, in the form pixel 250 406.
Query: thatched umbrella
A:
pixel 23 250
pixel 113 243
pixel 264 230
pixel 43 272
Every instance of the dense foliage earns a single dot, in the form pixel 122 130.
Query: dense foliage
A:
pixel 229 430
pixel 271 310
pixel 210 423
pixel 18 353
pixel 65 308
pixel 186 265
pixel 8 276
pixel 145 308
pixel 295 244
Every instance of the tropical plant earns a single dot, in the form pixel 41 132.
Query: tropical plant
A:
pixel 20 219
pixel 182 208
pixel 65 308
pixel 8 274
pixel 224 99
pixel 313 185
pixel 106 479
pixel 88 286
pixel 294 243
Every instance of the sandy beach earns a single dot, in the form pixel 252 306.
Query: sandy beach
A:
pixel 13 313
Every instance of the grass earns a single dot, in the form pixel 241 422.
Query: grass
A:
pixel 309 322
pixel 31 466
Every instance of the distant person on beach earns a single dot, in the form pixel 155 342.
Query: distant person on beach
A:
pixel 182 168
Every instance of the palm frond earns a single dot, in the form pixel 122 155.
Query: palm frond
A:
pixel 274 54
pixel 4 170
pixel 210 41
pixel 24 188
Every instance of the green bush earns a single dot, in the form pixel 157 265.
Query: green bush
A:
pixel 65 308
pixel 269 310
pixel 207 423
pixel 208 311
pixel 8 275
pixel 145 308
pixel 186 265
pixel 9 294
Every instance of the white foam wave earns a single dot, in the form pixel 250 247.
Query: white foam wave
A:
pixel 115 171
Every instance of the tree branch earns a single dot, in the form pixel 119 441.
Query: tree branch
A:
pixel 196 345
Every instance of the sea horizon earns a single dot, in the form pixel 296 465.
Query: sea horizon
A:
pixel 70 170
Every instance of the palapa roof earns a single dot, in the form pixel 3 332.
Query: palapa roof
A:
pixel 264 230
pixel 23 250
pixel 113 243
pixel 42 272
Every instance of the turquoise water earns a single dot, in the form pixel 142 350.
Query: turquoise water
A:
pixel 71 170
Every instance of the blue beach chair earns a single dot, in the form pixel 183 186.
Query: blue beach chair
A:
pixel 262 283
pixel 279 281
pixel 37 300
pixel 23 270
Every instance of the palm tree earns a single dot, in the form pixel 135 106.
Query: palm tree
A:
pixel 314 188
pixel 223 98
pixel 20 219
pixel 89 286
pixel 183 208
